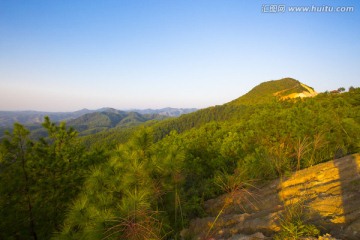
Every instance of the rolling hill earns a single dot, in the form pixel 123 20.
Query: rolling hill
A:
pixel 238 108
pixel 8 118
pixel 87 122
pixel 110 118
pixel 93 121
pixel 261 94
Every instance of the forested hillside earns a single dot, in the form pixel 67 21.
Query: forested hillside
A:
pixel 169 112
pixel 279 89
pixel 266 92
pixel 96 122
pixel 8 118
pixel 149 181
pixel 90 123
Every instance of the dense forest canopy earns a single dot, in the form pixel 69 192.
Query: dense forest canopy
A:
pixel 148 181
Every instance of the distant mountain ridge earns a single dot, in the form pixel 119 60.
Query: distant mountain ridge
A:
pixel 8 118
pixel 170 112
pixel 110 118
pixel 93 121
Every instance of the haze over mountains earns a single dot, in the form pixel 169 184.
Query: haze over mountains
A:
pixel 88 122
pixel 260 94
pixel 92 121
pixel 284 88
pixel 8 118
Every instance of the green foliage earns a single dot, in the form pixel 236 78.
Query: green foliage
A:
pixel 147 182
pixel 16 179
pixel 105 123
pixel 229 183
pixel 101 121
pixel 265 92
pixel 341 89
pixel 293 222
pixel 121 198
pixel 39 179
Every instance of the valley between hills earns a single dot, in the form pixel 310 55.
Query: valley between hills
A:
pixel 280 162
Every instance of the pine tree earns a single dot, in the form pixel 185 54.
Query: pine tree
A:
pixel 16 185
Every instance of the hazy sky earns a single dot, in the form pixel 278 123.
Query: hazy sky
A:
pixel 69 54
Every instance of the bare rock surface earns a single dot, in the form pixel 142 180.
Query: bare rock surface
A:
pixel 331 191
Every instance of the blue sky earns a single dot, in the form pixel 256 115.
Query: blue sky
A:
pixel 70 54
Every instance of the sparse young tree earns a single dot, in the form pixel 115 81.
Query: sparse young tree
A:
pixel 341 89
pixel 301 146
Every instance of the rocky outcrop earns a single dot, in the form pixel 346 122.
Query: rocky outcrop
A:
pixel 330 192
pixel 309 92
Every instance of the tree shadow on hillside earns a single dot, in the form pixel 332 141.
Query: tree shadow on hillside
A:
pixel 328 192
pixel 348 225
pixel 331 193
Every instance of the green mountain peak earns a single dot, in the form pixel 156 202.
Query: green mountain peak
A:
pixel 281 89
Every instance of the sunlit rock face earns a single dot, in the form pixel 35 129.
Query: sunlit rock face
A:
pixel 308 92
pixel 330 192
